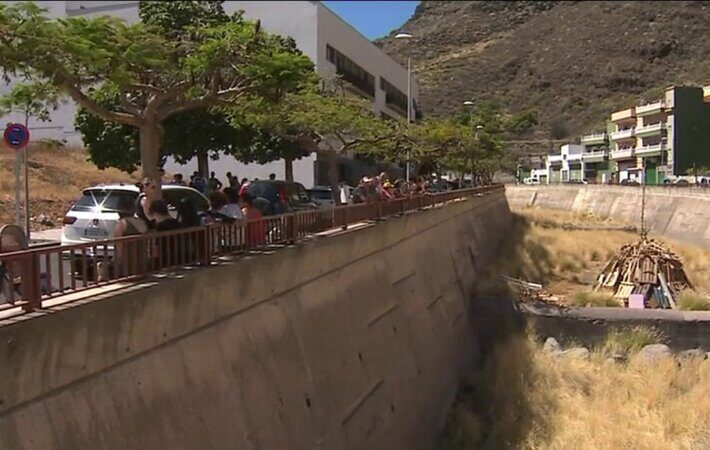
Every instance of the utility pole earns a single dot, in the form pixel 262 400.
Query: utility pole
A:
pixel 17 187
pixel 407 36
pixel 26 152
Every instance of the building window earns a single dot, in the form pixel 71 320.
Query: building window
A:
pixel 350 71
pixel 393 96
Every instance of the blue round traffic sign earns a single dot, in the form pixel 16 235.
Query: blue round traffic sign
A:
pixel 16 135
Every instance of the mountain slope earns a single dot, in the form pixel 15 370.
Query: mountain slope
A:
pixel 572 63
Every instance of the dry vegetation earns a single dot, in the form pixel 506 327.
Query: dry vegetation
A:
pixel 525 398
pixel 57 176
pixel 548 247
pixel 511 52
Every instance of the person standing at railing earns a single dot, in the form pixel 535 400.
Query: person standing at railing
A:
pixel 129 257
pixel 164 222
pixel 255 229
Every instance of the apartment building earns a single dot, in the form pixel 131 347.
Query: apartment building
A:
pixel 650 143
pixel 333 45
pixel 567 166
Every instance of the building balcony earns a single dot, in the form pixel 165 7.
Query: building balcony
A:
pixel 650 130
pixel 622 153
pixel 623 115
pixel 554 159
pixel 595 156
pixel 650 150
pixel 650 108
pixel 593 139
pixel 622 134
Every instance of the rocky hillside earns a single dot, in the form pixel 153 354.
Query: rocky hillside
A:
pixel 572 63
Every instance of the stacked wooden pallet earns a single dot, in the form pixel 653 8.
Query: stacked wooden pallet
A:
pixel 645 268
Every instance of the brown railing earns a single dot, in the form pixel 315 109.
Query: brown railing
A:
pixel 29 277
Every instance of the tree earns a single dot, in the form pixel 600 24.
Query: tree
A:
pixel 154 76
pixel 325 122
pixel 31 100
pixel 199 134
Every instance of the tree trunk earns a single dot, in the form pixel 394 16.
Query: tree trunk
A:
pixel 203 164
pixel 288 169
pixel 149 140
pixel 333 176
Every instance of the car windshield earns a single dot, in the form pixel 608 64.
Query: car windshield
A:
pixel 321 194
pixel 102 200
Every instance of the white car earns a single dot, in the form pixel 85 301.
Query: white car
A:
pixel 93 217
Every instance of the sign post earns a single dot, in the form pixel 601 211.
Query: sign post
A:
pixel 17 136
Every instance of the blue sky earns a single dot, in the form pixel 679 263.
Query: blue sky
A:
pixel 374 18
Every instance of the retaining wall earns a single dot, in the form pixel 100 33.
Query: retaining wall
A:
pixel 354 341
pixel 681 330
pixel 678 213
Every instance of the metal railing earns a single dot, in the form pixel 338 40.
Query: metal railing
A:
pixel 30 277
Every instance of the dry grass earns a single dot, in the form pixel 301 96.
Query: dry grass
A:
pixel 590 298
pixel 627 341
pixel 525 398
pixel 546 247
pixel 691 301
pixel 57 176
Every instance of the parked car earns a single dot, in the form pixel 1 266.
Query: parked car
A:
pixel 681 182
pixel 95 214
pixel 443 186
pixel 279 197
pixel 577 182
pixel 322 196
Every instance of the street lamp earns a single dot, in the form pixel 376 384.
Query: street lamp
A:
pixel 409 91
pixel 469 104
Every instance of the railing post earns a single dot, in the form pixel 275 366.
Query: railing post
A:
pixel 207 248
pixel 295 226
pixel 30 283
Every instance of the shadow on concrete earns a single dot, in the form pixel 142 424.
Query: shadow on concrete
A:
pixel 494 408
pixel 520 256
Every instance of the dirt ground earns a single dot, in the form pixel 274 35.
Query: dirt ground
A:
pixel 57 176
pixel 565 251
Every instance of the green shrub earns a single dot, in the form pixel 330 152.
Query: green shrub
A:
pixel 590 298
pixel 568 264
pixel 692 301
pixel 631 340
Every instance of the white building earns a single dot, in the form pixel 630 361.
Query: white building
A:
pixel 332 44
pixel 566 166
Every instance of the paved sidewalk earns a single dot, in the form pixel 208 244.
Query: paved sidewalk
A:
pixel 44 236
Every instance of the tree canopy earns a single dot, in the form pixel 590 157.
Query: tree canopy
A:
pixel 150 75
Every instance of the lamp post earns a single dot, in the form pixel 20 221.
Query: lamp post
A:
pixel 409 92
pixel 469 104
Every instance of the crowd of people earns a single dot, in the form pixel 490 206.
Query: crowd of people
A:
pixel 212 184
pixel 380 188
pixel 150 213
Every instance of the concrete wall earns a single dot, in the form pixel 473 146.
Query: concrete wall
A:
pixel 497 318
pixel 354 341
pixel 678 213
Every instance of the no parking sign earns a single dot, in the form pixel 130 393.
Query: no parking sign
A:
pixel 16 136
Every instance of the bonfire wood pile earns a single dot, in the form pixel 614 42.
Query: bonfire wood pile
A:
pixel 645 269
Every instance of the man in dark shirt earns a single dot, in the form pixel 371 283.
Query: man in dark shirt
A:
pixel 213 183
